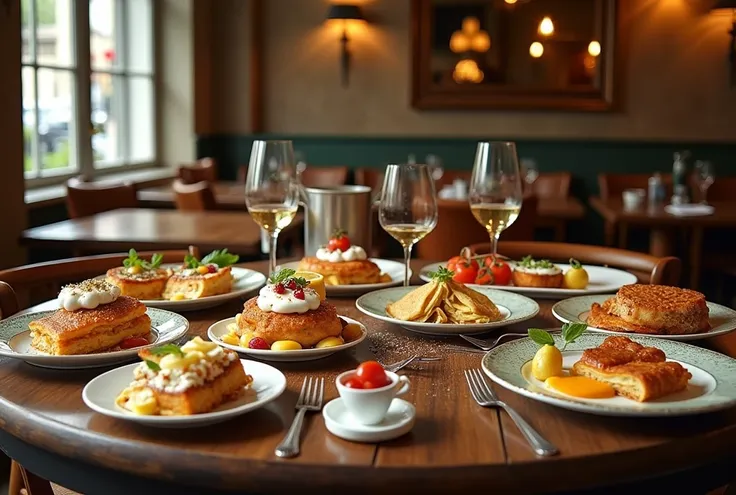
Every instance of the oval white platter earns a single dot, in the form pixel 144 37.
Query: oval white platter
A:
pixel 601 280
pixel 392 268
pixel 577 310
pixel 100 393
pixel 15 341
pixel 217 330
pixel 711 388
pixel 514 307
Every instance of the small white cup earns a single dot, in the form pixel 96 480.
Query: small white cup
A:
pixel 369 406
pixel 633 198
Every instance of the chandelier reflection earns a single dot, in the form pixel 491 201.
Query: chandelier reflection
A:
pixel 466 71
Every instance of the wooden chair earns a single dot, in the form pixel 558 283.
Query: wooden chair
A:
pixel 550 185
pixel 84 199
pixel 40 282
pixel 611 186
pixel 205 169
pixel 371 177
pixel 194 197
pixel 721 190
pixel 242 175
pixel 648 269
pixel 457 228
pixel 324 176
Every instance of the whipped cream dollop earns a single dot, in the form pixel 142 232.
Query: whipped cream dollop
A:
pixel 553 270
pixel 353 253
pixel 88 295
pixel 269 300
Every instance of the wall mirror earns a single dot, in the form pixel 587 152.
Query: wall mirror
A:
pixel 513 54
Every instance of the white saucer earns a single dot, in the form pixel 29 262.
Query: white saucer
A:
pixel 399 420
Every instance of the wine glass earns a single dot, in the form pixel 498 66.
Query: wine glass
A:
pixel 434 163
pixel 530 171
pixel 495 188
pixel 271 190
pixel 705 176
pixel 408 208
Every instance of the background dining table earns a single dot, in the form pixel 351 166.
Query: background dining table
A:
pixel 151 229
pixel 455 445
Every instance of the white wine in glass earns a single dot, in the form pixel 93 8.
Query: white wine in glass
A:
pixel 495 195
pixel 271 190
pixel 408 209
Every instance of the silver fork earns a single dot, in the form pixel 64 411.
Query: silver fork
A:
pixel 394 367
pixel 485 345
pixel 460 348
pixel 486 397
pixel 310 399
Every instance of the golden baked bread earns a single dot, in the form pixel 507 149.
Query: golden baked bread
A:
pixel 146 284
pixel 344 272
pixel 524 279
pixel 306 328
pixel 653 309
pixel 189 284
pixel 634 371
pixel 90 330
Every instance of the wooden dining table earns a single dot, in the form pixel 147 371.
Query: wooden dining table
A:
pixel 662 227
pixel 150 229
pixel 455 445
pixel 554 213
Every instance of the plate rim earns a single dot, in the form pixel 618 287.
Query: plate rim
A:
pixel 95 357
pixel 600 410
pixel 540 291
pixel 346 289
pixel 424 325
pixel 181 420
pixel 304 352
pixel 678 337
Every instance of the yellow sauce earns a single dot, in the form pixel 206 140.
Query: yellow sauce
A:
pixel 580 386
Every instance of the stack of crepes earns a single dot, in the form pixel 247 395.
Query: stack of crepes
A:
pixel 444 301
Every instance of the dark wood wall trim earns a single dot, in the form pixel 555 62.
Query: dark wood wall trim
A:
pixel 256 67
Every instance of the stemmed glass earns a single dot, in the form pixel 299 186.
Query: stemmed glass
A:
pixel 408 208
pixel 434 163
pixel 530 171
pixel 495 188
pixel 271 189
pixel 705 176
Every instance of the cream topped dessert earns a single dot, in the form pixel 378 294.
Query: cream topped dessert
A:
pixel 190 379
pixel 537 267
pixel 353 253
pixel 88 295
pixel 210 276
pixel 289 296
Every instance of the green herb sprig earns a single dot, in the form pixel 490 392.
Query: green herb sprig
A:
pixel 133 260
pixel 575 264
pixel 220 257
pixel 441 275
pixel 152 365
pixel 167 349
pixel 570 333
pixel 529 262
pixel 286 274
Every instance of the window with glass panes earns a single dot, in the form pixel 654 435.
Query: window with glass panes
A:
pixel 74 124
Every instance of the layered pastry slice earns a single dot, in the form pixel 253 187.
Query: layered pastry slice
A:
pixel 93 317
pixel 632 370
pixel 192 379
pixel 201 278
pixel 537 273
pixel 140 278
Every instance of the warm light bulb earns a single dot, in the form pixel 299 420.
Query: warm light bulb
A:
pixel 546 27
pixel 536 49
pixel 594 48
pixel 471 25
pixel 459 42
pixel 481 42
pixel 467 71
pixel 510 2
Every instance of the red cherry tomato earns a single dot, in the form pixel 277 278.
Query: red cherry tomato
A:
pixel 466 273
pixel 372 374
pixel 340 241
pixel 353 382
pixel 484 277
pixel 134 342
pixel 501 272
pixel 258 343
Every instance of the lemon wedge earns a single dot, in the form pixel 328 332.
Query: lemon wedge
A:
pixel 316 282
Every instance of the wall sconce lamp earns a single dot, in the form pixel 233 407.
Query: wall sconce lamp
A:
pixel 730 5
pixel 345 13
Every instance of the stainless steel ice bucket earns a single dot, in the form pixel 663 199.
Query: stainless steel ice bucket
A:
pixel 341 207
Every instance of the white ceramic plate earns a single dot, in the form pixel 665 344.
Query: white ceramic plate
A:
pixel 392 268
pixel 601 280
pixel 399 421
pixel 514 307
pixel 100 393
pixel 577 309
pixel 15 341
pixel 689 210
pixel 712 387
pixel 217 330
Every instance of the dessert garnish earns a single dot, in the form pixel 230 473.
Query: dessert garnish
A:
pixel 548 359
pixel 87 295
pixel 339 249
pixel 444 301
pixel 136 265
pixel 576 277
pixel 287 294
pixel 339 240
pixel 530 263
pixel 216 259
